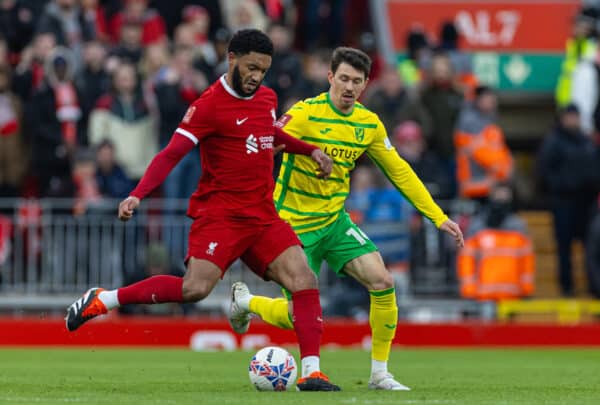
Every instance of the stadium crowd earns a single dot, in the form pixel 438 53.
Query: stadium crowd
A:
pixel 90 90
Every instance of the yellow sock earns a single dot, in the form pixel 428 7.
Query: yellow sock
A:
pixel 273 311
pixel 383 318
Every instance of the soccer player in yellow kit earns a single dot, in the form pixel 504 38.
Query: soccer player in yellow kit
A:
pixel 343 129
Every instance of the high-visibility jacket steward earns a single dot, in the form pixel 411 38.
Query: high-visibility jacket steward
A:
pixel 496 264
pixel 482 157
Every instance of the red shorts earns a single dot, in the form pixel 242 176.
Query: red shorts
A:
pixel 221 241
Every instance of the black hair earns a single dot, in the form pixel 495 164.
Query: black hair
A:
pixel 483 90
pixel 352 56
pixel 250 40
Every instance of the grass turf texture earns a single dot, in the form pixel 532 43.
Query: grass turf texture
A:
pixel 470 376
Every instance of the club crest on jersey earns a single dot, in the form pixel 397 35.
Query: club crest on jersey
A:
pixel 211 248
pixel 188 114
pixel 359 134
pixel 283 120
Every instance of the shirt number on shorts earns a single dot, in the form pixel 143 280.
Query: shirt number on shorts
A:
pixel 358 235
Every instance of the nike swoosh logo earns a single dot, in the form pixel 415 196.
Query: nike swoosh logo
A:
pixel 390 326
pixel 240 122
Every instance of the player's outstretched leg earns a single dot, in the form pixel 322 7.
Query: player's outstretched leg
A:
pixel 273 311
pixel 239 307
pixel 97 301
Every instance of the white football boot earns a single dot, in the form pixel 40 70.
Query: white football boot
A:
pixel 385 381
pixel 239 313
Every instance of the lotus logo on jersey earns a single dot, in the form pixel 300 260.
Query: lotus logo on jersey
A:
pixel 211 248
pixel 251 144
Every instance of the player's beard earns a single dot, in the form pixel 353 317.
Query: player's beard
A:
pixel 236 81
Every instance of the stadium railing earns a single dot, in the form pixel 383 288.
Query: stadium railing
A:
pixel 52 250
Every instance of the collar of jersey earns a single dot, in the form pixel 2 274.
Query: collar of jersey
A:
pixel 338 112
pixel 232 91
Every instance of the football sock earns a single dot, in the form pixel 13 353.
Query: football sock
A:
pixel 153 290
pixel 308 323
pixel 378 366
pixel 309 365
pixel 383 318
pixel 110 299
pixel 273 311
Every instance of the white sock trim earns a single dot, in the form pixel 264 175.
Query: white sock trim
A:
pixel 245 302
pixel 109 298
pixel 310 364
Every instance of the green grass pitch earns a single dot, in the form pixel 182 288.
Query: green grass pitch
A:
pixel 147 377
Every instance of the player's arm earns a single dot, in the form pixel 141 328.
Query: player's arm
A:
pixel 298 147
pixel 156 173
pixel 402 176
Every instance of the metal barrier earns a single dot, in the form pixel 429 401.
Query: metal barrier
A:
pixel 49 255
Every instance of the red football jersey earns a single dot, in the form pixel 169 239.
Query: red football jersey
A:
pixel 236 137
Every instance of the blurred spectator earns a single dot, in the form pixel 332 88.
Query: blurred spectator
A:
pixel 368 45
pixel 122 116
pixel 442 99
pixel 581 46
pixel 569 168
pixel 171 11
pixel 180 87
pixel 16 26
pixel 110 177
pixel 394 104
pixel 199 21
pixel 285 76
pixel 410 144
pixel 13 158
pixel 323 23
pixel 29 73
pixel 482 158
pixel 56 113
pixel 593 255
pixel 461 62
pixel 222 37
pixel 240 14
pixel 130 47
pixel 497 214
pixel 65 20
pixel 316 68
pixel 94 16
pixel 418 51
pixel 497 261
pixel 362 188
pixel 84 180
pixel 93 80
pixel 152 26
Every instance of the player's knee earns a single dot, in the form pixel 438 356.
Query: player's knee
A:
pixel 195 290
pixel 382 280
pixel 304 279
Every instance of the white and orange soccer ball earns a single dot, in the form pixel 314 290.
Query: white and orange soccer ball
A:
pixel 273 369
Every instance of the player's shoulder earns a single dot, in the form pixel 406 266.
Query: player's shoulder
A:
pixel 266 93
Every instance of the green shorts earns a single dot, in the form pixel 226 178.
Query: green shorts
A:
pixel 337 244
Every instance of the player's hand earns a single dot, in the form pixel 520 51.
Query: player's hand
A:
pixel 278 149
pixel 127 207
pixel 325 163
pixel 453 229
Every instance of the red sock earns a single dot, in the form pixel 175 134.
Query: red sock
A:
pixel 152 290
pixel 308 321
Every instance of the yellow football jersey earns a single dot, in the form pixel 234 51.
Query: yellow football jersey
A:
pixel 309 203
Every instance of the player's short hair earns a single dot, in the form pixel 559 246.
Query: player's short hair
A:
pixel 250 40
pixel 352 56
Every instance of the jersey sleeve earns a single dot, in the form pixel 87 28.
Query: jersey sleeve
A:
pixel 293 121
pixel 198 120
pixel 402 176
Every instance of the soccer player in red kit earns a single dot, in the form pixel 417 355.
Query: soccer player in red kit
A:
pixel 233 210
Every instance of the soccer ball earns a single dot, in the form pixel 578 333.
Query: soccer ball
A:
pixel 272 369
